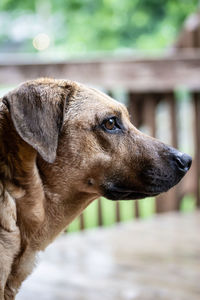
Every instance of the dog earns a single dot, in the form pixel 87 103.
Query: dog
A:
pixel 63 145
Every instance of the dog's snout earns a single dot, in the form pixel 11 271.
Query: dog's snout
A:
pixel 182 161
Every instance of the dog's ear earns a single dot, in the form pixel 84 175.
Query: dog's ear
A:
pixel 37 112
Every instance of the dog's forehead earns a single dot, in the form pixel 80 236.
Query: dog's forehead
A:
pixel 92 100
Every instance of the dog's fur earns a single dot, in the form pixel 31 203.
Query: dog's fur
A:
pixel 57 156
pixel 9 236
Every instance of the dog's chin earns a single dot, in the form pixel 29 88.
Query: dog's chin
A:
pixel 119 193
pixel 127 196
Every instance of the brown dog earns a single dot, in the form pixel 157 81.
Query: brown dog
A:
pixel 64 145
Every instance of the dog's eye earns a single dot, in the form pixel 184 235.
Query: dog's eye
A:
pixel 110 124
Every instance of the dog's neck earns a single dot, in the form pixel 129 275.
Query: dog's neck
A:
pixel 61 207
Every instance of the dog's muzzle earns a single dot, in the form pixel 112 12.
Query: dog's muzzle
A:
pixel 153 179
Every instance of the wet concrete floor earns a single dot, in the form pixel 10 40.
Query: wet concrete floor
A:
pixel 157 259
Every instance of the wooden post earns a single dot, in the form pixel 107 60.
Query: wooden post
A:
pixel 100 217
pixel 82 223
pixel 136 209
pixel 170 98
pixel 149 113
pixel 118 218
pixel 135 107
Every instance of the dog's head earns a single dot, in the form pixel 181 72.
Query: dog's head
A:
pixel 87 140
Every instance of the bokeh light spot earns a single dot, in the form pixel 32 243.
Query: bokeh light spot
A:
pixel 41 41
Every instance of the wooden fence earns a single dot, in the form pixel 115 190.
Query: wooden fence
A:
pixel 146 83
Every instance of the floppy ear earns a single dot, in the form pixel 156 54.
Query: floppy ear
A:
pixel 37 112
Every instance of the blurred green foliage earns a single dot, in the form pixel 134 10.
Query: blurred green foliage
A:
pixel 82 26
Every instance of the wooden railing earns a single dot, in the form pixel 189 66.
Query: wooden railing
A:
pixel 143 107
pixel 163 74
pixel 146 83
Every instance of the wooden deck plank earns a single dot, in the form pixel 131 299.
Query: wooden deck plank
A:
pixel 157 259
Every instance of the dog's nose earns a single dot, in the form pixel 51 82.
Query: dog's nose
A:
pixel 182 161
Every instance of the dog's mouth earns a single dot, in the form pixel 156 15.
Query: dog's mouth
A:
pixel 114 192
